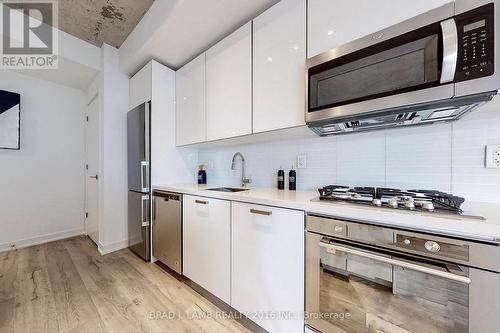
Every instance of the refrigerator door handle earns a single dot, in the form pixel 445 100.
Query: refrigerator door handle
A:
pixel 144 176
pixel 145 217
pixel 154 211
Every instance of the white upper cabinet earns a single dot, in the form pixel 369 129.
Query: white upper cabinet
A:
pixel 279 41
pixel 229 86
pixel 140 86
pixel 336 22
pixel 191 102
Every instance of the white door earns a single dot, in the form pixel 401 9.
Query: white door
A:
pixel 91 174
pixel 279 42
pixel 207 244
pixel 190 102
pixel 229 86
pixel 267 271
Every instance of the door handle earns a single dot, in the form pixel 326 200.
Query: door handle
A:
pixel 450 50
pixel 145 173
pixel 96 177
pixel 201 202
pixel 395 262
pixel 261 212
pixel 154 211
pixel 144 217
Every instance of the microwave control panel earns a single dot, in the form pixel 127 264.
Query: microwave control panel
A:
pixel 475 43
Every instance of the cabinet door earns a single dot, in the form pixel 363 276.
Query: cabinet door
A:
pixel 268 265
pixel 191 102
pixel 229 86
pixel 140 86
pixel 206 244
pixel 279 40
pixel 336 22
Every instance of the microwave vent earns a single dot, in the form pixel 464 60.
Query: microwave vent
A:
pixel 419 114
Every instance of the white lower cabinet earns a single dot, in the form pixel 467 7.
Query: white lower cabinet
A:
pixel 207 244
pixel 267 275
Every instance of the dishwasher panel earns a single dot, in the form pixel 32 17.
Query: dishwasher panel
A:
pixel 167 229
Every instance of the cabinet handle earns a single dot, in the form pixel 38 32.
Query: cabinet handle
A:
pixel 154 210
pixel 261 212
pixel 201 202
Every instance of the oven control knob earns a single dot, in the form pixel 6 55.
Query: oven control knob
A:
pixel 338 228
pixel 407 241
pixel 432 246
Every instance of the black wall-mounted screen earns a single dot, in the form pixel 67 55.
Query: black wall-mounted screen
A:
pixel 10 120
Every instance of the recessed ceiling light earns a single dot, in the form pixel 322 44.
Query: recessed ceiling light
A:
pixel 269 59
pixel 295 47
pixel 330 32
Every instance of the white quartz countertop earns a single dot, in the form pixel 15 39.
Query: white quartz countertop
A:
pixel 485 229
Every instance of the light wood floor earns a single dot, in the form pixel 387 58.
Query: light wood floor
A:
pixel 67 286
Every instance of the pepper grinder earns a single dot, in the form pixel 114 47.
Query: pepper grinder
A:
pixel 281 179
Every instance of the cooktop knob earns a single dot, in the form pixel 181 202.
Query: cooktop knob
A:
pixel 377 202
pixel 432 246
pixel 394 202
pixel 410 204
pixel 429 206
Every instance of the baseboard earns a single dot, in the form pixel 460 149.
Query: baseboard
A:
pixel 105 249
pixel 27 242
pixel 239 317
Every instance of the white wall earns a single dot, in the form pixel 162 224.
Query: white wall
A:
pixel 114 105
pixel 42 186
pixel 448 157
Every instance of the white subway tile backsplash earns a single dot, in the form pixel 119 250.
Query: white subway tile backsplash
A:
pixel 470 137
pixel 419 157
pixel 361 159
pixel 447 157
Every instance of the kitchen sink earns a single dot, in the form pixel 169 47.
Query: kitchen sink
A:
pixel 227 189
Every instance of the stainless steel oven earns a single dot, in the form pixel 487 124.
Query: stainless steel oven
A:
pixel 435 67
pixel 367 278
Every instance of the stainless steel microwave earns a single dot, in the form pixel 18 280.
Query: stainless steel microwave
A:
pixel 435 67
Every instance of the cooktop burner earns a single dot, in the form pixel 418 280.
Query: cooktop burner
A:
pixel 424 200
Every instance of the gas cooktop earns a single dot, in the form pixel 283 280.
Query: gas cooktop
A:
pixel 421 200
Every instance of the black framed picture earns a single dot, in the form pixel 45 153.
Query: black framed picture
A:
pixel 10 120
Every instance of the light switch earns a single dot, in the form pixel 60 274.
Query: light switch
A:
pixel 493 156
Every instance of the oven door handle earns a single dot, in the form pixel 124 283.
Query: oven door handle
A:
pixel 450 50
pixel 395 262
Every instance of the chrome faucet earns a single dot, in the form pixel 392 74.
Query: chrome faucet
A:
pixel 244 180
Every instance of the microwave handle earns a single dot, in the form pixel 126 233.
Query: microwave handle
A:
pixel 395 262
pixel 450 50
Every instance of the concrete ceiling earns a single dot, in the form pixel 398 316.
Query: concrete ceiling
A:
pixel 101 21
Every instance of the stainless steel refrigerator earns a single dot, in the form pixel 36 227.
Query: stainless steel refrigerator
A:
pixel 139 197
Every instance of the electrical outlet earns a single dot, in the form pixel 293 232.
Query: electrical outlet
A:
pixel 301 161
pixel 493 156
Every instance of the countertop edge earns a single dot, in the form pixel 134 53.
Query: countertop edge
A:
pixel 461 227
